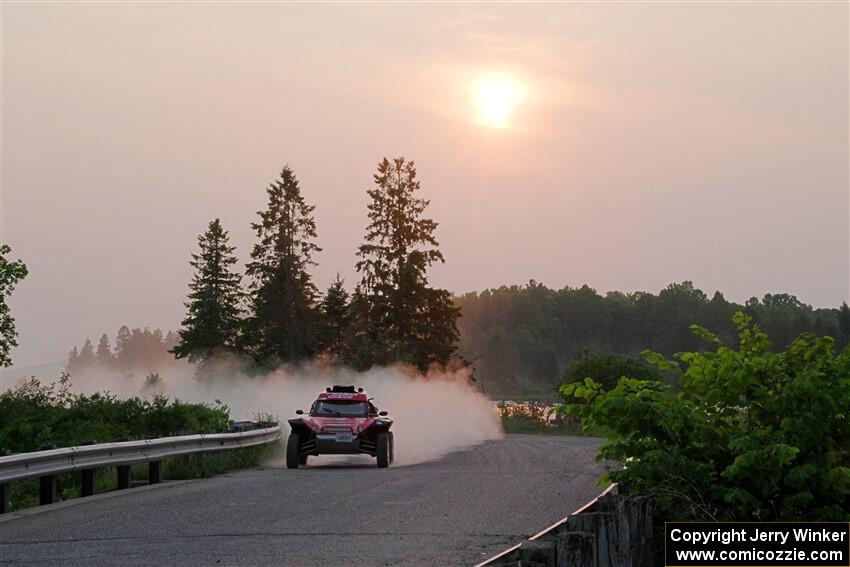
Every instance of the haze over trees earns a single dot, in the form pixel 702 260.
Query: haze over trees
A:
pixel 136 352
pixel 520 339
pixel 11 273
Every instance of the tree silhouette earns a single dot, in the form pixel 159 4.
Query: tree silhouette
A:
pixel 408 321
pixel 284 321
pixel 336 319
pixel 213 319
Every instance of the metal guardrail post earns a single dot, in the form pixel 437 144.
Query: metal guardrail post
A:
pixel 155 472
pixel 47 490
pixel 4 498
pixel 87 488
pixel 123 476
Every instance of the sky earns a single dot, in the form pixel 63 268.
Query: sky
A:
pixel 640 144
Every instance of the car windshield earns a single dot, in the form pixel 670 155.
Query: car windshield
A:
pixel 344 409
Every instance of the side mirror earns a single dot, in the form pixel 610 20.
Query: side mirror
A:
pixel 299 412
pixel 382 413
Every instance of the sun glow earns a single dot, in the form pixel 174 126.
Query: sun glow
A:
pixel 496 99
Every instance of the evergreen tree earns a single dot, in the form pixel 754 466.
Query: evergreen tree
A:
pixel 73 365
pixel 284 320
pixel 103 355
pixel 10 274
pixel 336 318
pixel 213 319
pixel 122 346
pixel 407 320
pixel 86 358
pixel 844 323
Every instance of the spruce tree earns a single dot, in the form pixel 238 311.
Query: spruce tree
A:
pixel 213 319
pixel 86 358
pixel 336 318
pixel 408 321
pixel 284 320
pixel 103 355
pixel 73 365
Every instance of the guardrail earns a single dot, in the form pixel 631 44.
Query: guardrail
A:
pixel 511 555
pixel 45 465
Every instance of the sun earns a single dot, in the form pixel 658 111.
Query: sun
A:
pixel 496 99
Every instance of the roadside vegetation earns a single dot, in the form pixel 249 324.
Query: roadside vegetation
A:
pixel 740 432
pixel 36 416
pixel 523 337
pixel 536 417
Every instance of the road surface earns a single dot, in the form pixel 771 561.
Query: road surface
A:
pixel 455 511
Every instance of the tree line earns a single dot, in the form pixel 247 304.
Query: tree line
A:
pixel 136 351
pixel 279 316
pixel 522 338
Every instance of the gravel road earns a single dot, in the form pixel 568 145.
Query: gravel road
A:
pixel 454 511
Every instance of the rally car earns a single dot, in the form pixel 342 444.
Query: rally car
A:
pixel 342 421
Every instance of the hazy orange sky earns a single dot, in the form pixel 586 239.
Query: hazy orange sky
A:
pixel 655 142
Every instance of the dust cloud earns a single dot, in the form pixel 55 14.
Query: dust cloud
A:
pixel 435 413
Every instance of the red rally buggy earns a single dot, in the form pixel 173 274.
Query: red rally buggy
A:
pixel 342 421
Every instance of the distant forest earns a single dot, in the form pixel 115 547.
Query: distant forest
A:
pixel 521 338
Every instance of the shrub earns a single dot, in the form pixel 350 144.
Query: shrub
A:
pixel 607 369
pixel 748 434
pixel 34 414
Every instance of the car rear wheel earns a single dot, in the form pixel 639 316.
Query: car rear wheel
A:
pixel 302 460
pixel 382 448
pixel 392 446
pixel 292 459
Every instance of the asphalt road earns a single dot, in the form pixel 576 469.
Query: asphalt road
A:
pixel 455 511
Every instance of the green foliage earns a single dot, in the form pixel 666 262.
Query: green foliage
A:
pixel 607 369
pixel 748 434
pixel 11 272
pixel 283 326
pixel 403 318
pixel 34 414
pixel 523 337
pixel 214 315
pixel 336 320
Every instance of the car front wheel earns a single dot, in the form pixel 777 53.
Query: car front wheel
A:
pixel 292 459
pixel 382 448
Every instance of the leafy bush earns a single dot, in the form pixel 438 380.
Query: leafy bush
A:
pixel 748 434
pixel 607 369
pixel 34 414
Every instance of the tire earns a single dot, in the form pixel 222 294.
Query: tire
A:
pixel 382 448
pixel 292 459
pixel 302 460
pixel 392 446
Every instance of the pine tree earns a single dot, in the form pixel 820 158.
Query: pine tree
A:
pixel 86 358
pixel 407 320
pixel 10 274
pixel 103 355
pixel 213 319
pixel 336 319
pixel 284 320
pixel 73 364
